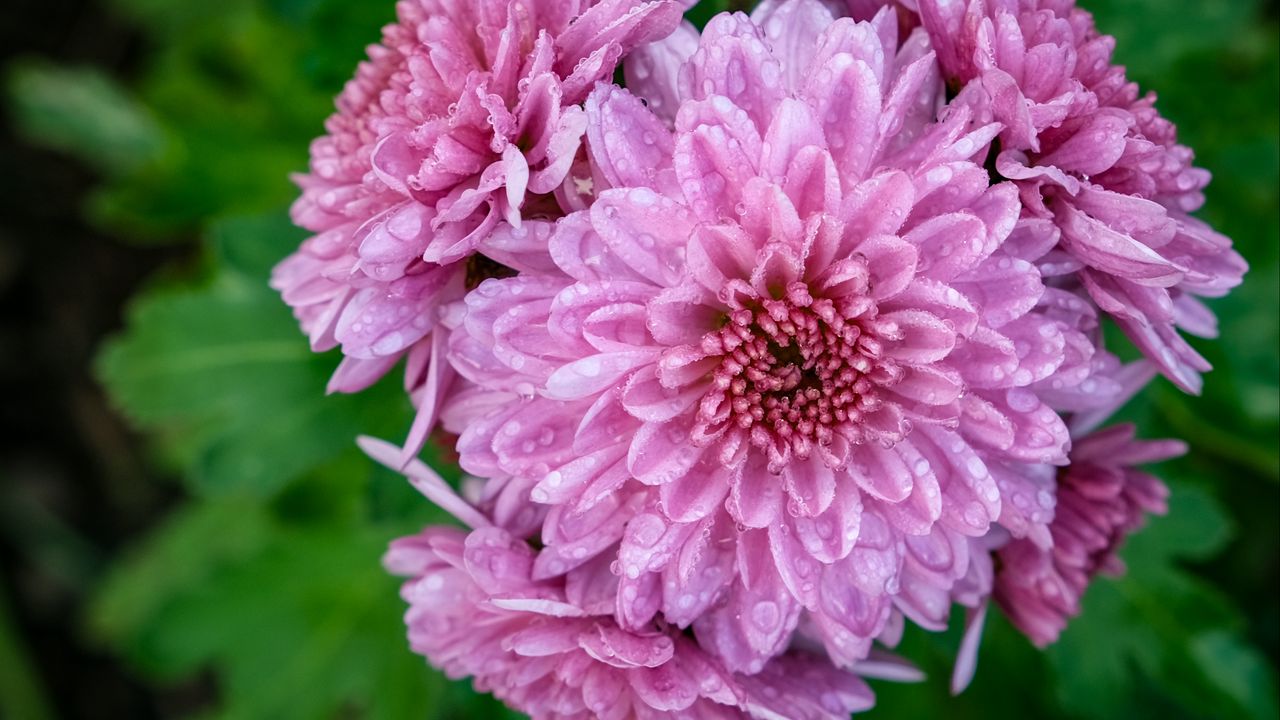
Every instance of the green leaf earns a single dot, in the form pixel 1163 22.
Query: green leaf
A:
pixel 83 112
pixel 238 88
pixel 1242 672
pixel 296 619
pixel 223 377
pixel 701 13
pixel 1012 679
pixel 184 555
pixel 1151 36
pixel 20 693
pixel 251 245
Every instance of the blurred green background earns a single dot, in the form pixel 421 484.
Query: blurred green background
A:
pixel 186 529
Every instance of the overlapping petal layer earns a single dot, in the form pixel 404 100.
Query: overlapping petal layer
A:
pixel 464 121
pixel 1102 499
pixel 1092 154
pixel 553 650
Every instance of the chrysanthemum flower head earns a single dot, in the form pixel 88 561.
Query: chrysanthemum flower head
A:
pixel 796 323
pixel 466 118
pixel 1091 153
pixel 1102 498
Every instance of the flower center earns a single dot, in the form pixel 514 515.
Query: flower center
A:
pixel 797 371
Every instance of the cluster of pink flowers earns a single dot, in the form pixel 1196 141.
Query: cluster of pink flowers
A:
pixel 758 341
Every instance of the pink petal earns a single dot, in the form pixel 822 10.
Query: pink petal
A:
pixel 892 262
pixel 425 480
pixel 579 251
pixel 384 320
pixel 967 657
pixel 593 374
pixel 924 338
pixel 793 127
pixel 752 626
pixel 574 317
pixel 1102 248
pixel 831 535
pixel 566 482
pixel 792 30
pixel 652 71
pixel 664 688
pixel 877 206
pixel 1095 147
pixel 628 143
pixel 812 182
pixel 796 565
pixel 394 240
pixel 617 328
pixel 645 230
pixel 931 385
pixel 734 62
pixel 917 514
pixel 939 300
pixel 1005 288
pixel 717 151
pixel 756 496
pixel 622 649
pixel 682 315
pixel 986 359
pixel 951 245
pixel 649 400
pixel 881 473
pixel 354 375
pixel 661 452
pixel 717 254
pixel 706 565
pixel 811 486
pixel 694 495
pixel 562 148
pixel 846 95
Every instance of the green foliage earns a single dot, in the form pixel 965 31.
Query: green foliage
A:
pixel 704 11
pixel 221 375
pixel 1166 625
pixel 232 92
pixel 272 580
pixel 287 604
pixel 268 578
pixel 84 112
pixel 20 695
pixel 1164 37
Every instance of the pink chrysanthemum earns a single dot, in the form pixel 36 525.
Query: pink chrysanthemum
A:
pixel 763 356
pixel 803 324
pixel 1102 498
pixel 466 117
pixel 552 648
pixel 1090 152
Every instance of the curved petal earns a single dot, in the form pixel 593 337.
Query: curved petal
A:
pixel 661 452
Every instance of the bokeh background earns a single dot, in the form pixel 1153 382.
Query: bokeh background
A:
pixel 186 529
